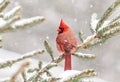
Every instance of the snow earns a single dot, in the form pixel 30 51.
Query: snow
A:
pixel 69 73
pixel 94 21
pixel 91 6
pixel 12 12
pixel 104 25
pixel 75 19
pixel 47 37
pixel 2 23
pixel 89 37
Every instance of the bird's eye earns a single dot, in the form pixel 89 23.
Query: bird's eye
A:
pixel 62 29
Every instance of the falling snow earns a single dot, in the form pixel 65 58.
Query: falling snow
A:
pixel 47 37
pixel 75 19
pixel 91 6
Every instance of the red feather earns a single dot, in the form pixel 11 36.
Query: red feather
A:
pixel 66 43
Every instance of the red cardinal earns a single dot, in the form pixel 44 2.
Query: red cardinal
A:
pixel 66 43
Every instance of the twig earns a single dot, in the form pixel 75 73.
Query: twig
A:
pixel 21 69
pixel 115 19
pixel 46 68
pixel 4 4
pixel 49 49
pixel 86 42
pixel 81 36
pixel 24 76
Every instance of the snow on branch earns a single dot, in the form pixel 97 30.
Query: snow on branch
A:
pixel 23 23
pixel 43 70
pixel 73 75
pixel 15 11
pixel 93 22
pixel 84 56
pixel 11 21
pixel 107 13
pixel 5 25
pixel 115 19
pixel 102 28
pixel 28 55
pixel 14 23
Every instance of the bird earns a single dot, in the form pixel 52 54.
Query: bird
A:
pixel 66 43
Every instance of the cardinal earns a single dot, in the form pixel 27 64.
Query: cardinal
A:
pixel 66 43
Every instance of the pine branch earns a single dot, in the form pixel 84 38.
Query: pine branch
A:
pixel 81 36
pixel 14 12
pixel 107 28
pixel 24 76
pixel 78 75
pixel 84 56
pixel 49 49
pixel 21 24
pixel 51 79
pixel 115 19
pixel 24 23
pixel 43 70
pixel 28 55
pixel 6 26
pixel 107 13
pixel 86 42
pixel 93 23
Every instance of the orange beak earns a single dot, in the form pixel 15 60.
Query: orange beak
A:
pixel 58 30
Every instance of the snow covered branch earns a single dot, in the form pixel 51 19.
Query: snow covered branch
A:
pixel 28 55
pixel 14 12
pixel 73 75
pixel 12 20
pixel 84 56
pixel 49 49
pixel 102 28
pixel 107 13
pixel 43 70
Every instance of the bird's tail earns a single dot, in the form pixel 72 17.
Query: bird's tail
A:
pixel 68 65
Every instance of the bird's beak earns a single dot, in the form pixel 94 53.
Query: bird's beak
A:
pixel 58 30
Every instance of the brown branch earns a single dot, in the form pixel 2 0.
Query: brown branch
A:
pixel 20 70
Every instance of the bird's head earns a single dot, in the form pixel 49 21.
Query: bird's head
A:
pixel 63 27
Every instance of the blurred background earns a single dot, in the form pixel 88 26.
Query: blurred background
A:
pixel 77 14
